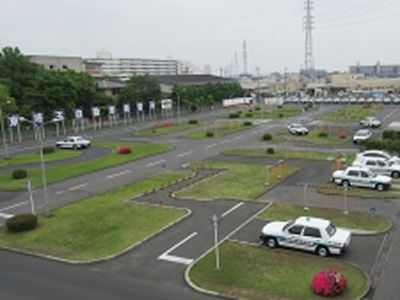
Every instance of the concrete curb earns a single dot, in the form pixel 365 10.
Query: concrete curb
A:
pixel 188 269
pixel 109 257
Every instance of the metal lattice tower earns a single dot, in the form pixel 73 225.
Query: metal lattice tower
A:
pixel 244 57
pixel 236 62
pixel 308 27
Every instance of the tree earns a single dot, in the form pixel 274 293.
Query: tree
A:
pixel 141 89
pixel 7 103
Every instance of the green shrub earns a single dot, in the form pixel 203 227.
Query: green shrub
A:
pixel 305 108
pixel 323 134
pixel 19 174
pixel 250 110
pixel 279 106
pixel 22 222
pixel 247 123
pixel 257 108
pixel 249 115
pixel 270 151
pixel 48 149
pixel 267 137
pixel 192 122
pixel 280 115
pixel 234 116
pixel 391 135
pixel 209 134
pixel 239 112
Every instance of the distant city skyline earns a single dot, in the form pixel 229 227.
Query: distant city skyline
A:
pixel 208 32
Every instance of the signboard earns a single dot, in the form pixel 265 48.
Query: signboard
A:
pixel 95 112
pixel 37 118
pixel 152 105
pixel 78 114
pixel 111 110
pixel 13 120
pixel 166 104
pixel 59 115
pixel 139 106
pixel 127 108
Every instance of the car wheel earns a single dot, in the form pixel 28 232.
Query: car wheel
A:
pixel 74 147
pixel 271 242
pixel 396 174
pixel 322 251
pixel 380 187
pixel 345 183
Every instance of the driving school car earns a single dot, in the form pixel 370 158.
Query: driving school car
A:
pixel 309 234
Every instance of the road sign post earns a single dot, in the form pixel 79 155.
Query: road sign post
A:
pixel 345 211
pixel 215 222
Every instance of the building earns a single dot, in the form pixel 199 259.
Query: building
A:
pixel 53 62
pixel 124 68
pixel 378 70
pixel 110 88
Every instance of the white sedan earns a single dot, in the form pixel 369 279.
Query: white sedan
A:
pixel 296 128
pixel 73 142
pixel 379 154
pixel 307 233
pixel 378 166
pixel 361 136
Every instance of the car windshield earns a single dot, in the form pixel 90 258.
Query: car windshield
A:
pixel 287 225
pixel 330 230
pixel 362 133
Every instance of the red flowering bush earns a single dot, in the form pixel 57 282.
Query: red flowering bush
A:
pixel 168 124
pixel 342 135
pixel 329 283
pixel 124 150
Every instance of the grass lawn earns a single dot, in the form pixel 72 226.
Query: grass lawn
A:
pixel 257 273
pixel 241 181
pixel 218 131
pixel 333 189
pixel 351 113
pixel 165 129
pixel 287 154
pixel 34 157
pixel 354 220
pixel 139 150
pixel 98 226
pixel 274 113
pixel 313 137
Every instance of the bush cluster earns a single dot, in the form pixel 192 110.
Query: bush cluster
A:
pixel 22 222
pixel 249 115
pixel 257 108
pixel 234 116
pixel 383 144
pixel 329 283
pixel 270 150
pixel 323 134
pixel 280 115
pixel 48 149
pixel 209 134
pixel 247 123
pixel 192 122
pixel 124 150
pixel 267 137
pixel 19 174
pixel 391 135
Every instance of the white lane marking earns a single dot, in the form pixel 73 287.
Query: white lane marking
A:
pixel 232 209
pixel 156 163
pixel 224 142
pixel 6 216
pixel 185 154
pixel 119 174
pixel 14 205
pixel 60 192
pixel 237 138
pixel 211 146
pixel 176 259
pixel 77 187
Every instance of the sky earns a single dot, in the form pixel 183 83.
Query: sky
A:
pixel 207 31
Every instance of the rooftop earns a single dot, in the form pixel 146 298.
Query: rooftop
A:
pixel 191 79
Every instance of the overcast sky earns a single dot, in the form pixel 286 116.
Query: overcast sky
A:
pixel 207 31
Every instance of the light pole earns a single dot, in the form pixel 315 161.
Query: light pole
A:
pixel 3 133
pixel 178 106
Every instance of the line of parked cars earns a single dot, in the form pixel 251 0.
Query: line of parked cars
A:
pixel 371 169
pixel 342 100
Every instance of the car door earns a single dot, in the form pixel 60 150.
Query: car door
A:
pixel 293 237
pixel 311 238
pixel 383 168
pixel 354 178
pixel 365 180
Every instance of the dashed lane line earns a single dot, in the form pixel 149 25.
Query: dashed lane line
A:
pixel 154 163
pixel 177 259
pixel 119 174
pixel 14 206
pixel 77 187
pixel 185 154
pixel 232 209
pixel 211 146
pixel 6 216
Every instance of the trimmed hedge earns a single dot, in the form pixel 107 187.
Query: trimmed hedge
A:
pixel 391 135
pixel 247 123
pixel 383 144
pixel 280 115
pixel 49 149
pixel 322 134
pixel 270 150
pixel 209 134
pixel 192 122
pixel 234 116
pixel 249 115
pixel 19 174
pixel 22 222
pixel 267 137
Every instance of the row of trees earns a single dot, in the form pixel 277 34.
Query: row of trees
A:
pixel 27 87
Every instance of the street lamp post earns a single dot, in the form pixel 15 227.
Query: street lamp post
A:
pixel 178 106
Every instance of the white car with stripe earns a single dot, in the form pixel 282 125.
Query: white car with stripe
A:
pixel 379 166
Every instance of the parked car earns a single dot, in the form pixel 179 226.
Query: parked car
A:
pixel 371 122
pixel 298 129
pixel 361 177
pixel 387 100
pixel 361 135
pixel 378 166
pixel 379 154
pixel 307 233
pixel 73 142
pixel 396 100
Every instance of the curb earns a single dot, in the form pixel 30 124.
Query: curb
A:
pixel 188 269
pixel 109 257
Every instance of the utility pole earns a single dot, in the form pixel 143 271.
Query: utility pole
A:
pixel 3 134
pixel 215 222
pixel 44 178
pixel 308 27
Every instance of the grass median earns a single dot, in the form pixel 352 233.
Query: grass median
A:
pixel 256 273
pixel 271 112
pixel 239 181
pixel 98 226
pixel 216 131
pixel 34 157
pixel 352 220
pixel 333 189
pixel 351 113
pixel 162 129
pixel 139 150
